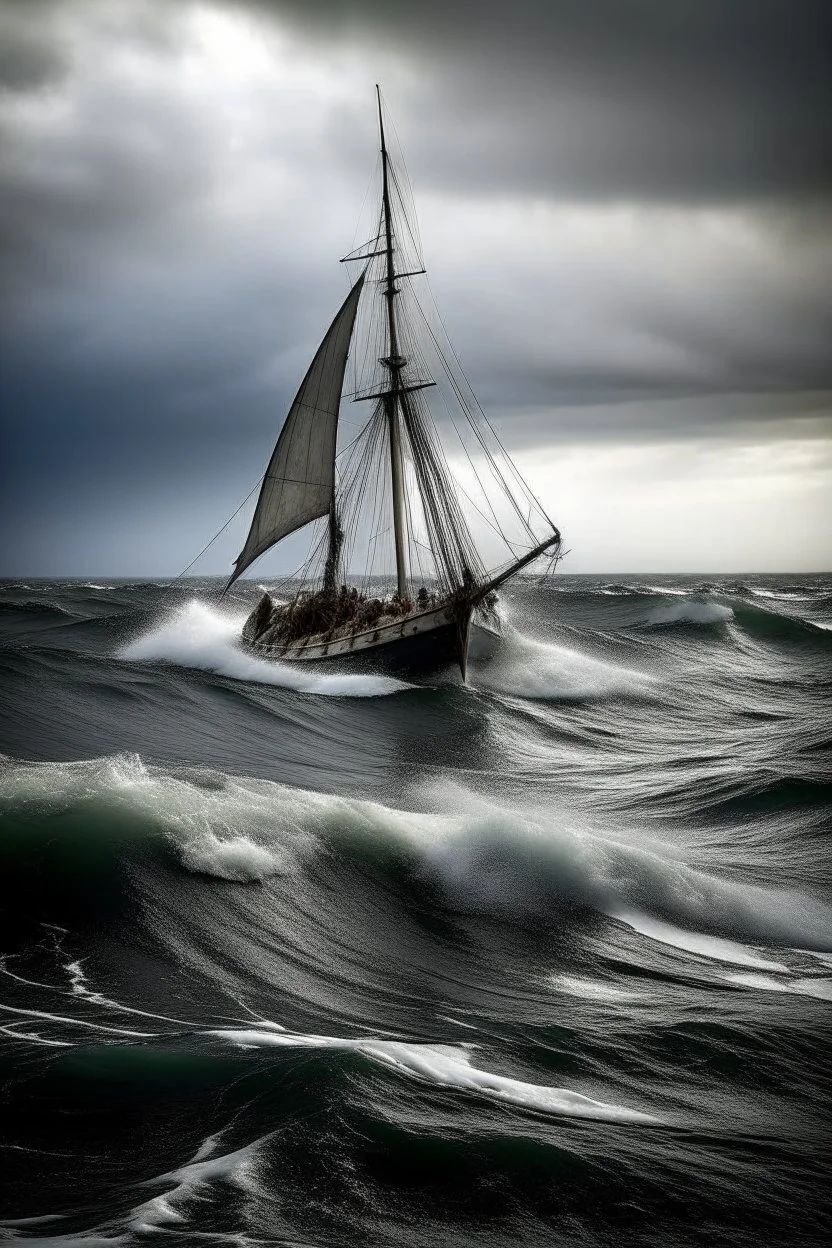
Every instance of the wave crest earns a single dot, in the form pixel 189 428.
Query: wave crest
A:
pixel 199 636
pixel 484 857
pixel 690 612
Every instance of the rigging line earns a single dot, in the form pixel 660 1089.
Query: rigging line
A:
pixel 474 405
pixel 480 437
pixel 219 532
pixel 477 434
pixel 404 214
pixel 495 527
pixel 379 445
pixel 411 198
pixel 353 441
pixel 370 182
pixel 524 484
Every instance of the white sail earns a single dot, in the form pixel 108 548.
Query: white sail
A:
pixel 300 479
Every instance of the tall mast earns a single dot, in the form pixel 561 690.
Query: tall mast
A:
pixel 394 363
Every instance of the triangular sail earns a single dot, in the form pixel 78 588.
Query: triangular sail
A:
pixel 300 479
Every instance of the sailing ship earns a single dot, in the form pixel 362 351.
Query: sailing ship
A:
pixel 390 491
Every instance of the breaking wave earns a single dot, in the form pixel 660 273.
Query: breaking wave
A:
pixel 528 864
pixel 198 636
pixel 528 668
pixel 691 613
pixel 447 1065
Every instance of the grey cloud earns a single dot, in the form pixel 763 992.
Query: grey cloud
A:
pixel 666 99
pixel 160 313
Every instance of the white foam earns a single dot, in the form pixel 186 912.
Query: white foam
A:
pixel 235 828
pixel 691 613
pixel 537 669
pixel 236 859
pixel 79 1022
pixel 486 857
pixel 235 1169
pixel 34 1038
pixel 700 943
pixel 802 986
pixel 80 988
pixel 590 989
pixel 199 636
pixel 784 594
pixel 497 860
pixel 449 1066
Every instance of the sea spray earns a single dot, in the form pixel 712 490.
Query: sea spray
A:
pixel 203 637
pixel 525 667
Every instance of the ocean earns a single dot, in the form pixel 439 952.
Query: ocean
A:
pixel 330 958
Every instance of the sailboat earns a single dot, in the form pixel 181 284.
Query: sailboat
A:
pixel 426 596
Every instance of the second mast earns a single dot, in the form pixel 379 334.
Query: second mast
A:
pixel 394 363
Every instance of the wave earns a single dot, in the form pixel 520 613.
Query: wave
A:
pixel 232 828
pixel 785 595
pixel 447 1065
pixel 197 636
pixel 485 858
pixel 690 612
pixel 536 669
pixel 706 946
pixel 189 1181
pixel 770 625
pixel 802 986
pixel 37 607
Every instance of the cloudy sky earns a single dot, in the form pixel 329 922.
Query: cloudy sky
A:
pixel 625 208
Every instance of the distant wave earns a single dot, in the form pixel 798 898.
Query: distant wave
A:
pixel 37 607
pixel 785 595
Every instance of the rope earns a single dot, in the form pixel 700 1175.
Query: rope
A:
pixel 219 532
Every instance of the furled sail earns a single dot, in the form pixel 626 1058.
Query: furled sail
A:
pixel 300 479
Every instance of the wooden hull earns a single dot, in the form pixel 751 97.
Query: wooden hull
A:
pixel 426 641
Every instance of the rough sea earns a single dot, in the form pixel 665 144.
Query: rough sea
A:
pixel 323 958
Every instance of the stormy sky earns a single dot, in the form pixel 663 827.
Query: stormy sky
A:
pixel 625 208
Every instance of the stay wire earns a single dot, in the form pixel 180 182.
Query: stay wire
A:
pixel 219 532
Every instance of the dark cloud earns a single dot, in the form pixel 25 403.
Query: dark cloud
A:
pixel 167 251
pixel 667 99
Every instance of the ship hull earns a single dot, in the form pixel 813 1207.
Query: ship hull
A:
pixel 423 642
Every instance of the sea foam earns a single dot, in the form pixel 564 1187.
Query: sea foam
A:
pixel 528 668
pixel 691 613
pixel 449 1066
pixel 199 636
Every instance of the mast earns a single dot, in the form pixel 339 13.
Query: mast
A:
pixel 394 363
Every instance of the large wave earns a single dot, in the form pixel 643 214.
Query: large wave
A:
pixel 486 858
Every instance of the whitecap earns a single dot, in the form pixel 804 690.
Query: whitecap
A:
pixel 691 613
pixel 700 943
pixel 590 989
pixel 199 636
pixel 801 985
pixel 449 1066
pixel 207 1166
pixel 528 668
